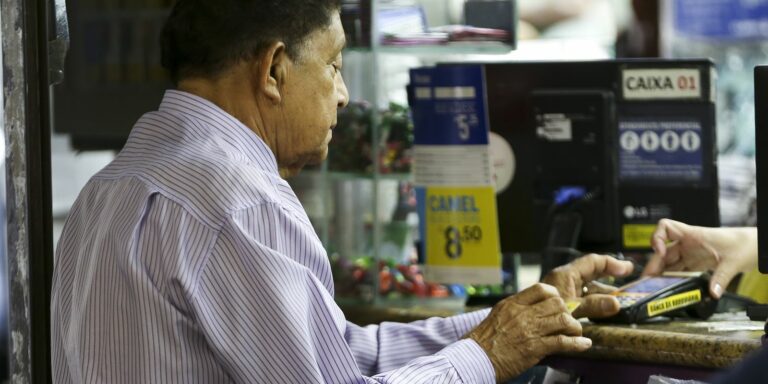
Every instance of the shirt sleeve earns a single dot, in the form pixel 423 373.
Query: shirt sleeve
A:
pixel 379 348
pixel 268 317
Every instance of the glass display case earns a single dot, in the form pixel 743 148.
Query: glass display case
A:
pixel 361 200
pixel 733 35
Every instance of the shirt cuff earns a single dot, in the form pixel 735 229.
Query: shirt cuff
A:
pixel 470 361
pixel 465 322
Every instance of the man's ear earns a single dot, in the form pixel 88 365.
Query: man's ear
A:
pixel 271 70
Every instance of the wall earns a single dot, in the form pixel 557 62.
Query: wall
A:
pixel 14 195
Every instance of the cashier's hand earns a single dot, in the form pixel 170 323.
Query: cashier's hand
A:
pixel 524 328
pixel 575 282
pixel 681 247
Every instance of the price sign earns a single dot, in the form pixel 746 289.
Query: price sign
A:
pixel 461 231
pixel 452 174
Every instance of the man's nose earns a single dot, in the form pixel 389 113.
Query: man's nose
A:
pixel 343 93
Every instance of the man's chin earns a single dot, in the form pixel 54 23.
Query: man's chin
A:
pixel 317 158
pixel 296 167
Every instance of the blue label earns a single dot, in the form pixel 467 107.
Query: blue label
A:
pixel 447 104
pixel 669 150
pixel 725 19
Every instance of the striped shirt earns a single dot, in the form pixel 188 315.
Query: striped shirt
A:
pixel 188 259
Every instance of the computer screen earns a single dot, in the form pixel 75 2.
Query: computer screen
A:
pixel 601 149
pixel 761 160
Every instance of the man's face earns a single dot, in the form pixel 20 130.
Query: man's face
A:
pixel 312 93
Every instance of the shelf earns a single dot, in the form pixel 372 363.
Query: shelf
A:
pixel 555 49
pixel 333 175
pixel 453 48
pixel 308 174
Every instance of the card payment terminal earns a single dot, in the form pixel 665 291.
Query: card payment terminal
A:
pixel 662 295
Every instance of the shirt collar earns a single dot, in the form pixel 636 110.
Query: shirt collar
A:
pixel 234 132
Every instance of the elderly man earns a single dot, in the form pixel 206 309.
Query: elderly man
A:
pixel 188 259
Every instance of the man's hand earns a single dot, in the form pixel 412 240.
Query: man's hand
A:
pixel 572 279
pixel 526 327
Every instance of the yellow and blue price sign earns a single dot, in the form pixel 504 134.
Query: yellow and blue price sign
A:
pixel 457 202
pixel 462 232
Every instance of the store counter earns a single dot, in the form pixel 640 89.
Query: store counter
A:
pixel 682 349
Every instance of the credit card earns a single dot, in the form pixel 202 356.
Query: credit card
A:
pixel 572 305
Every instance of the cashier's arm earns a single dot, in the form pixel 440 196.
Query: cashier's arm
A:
pixel 681 247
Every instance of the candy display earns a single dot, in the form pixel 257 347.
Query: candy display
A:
pixel 397 273
pixel 351 149
pixel 353 279
pixel 397 131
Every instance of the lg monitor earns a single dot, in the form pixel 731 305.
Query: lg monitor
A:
pixel 601 151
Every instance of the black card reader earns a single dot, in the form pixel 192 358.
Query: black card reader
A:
pixel 667 294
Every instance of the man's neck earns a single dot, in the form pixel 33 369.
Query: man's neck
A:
pixel 234 97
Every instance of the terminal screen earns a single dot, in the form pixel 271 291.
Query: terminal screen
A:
pixel 650 285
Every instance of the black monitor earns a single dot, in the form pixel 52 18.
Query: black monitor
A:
pixel 602 150
pixel 761 159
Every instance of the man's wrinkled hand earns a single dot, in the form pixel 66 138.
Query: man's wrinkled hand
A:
pixel 574 281
pixel 524 328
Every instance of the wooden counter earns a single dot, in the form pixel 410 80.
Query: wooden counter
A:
pixel 716 343
pixel 685 349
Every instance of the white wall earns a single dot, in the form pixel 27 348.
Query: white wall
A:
pixel 70 172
